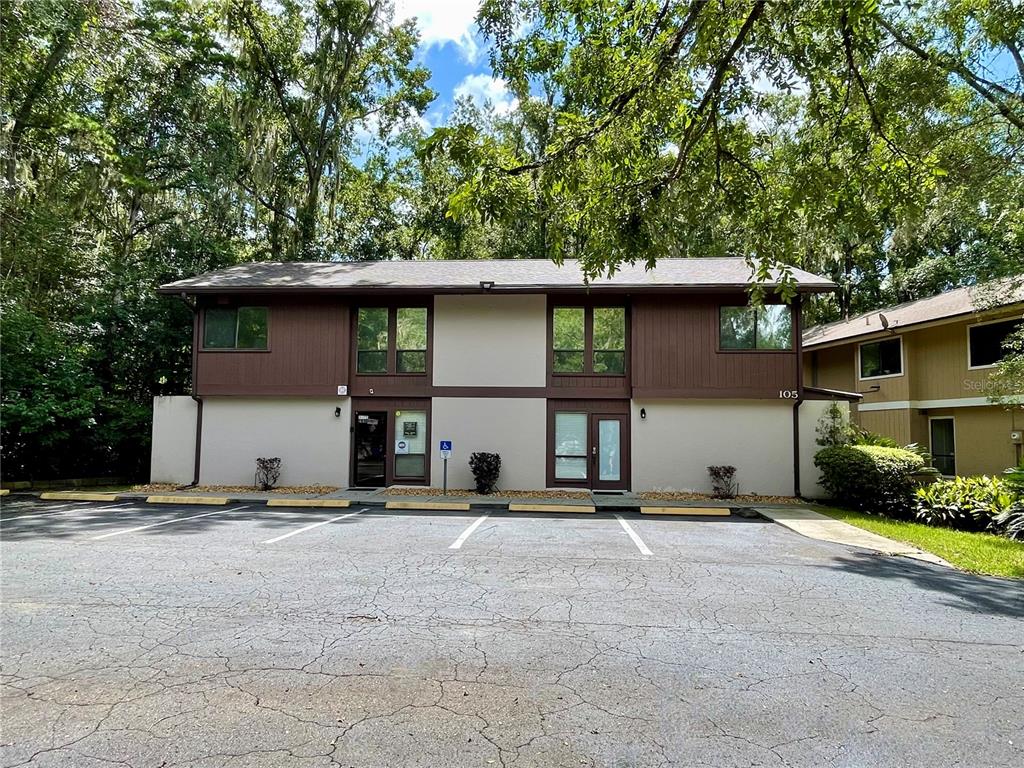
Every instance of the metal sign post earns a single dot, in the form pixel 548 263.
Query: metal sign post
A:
pixel 446 453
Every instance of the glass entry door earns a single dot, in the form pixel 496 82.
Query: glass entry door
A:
pixel 607 437
pixel 370 449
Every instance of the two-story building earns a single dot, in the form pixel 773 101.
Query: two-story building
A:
pixel 352 373
pixel 923 369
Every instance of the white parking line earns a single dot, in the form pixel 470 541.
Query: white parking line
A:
pixel 166 522
pixel 314 525
pixel 64 508
pixel 634 536
pixel 457 544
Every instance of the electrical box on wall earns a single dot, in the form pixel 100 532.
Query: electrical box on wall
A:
pixel 1017 436
pixel 342 390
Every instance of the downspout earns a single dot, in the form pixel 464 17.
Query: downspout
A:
pixel 798 344
pixel 199 400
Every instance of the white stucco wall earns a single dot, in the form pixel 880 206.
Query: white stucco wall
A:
pixel 673 447
pixel 490 341
pixel 313 443
pixel 174 439
pixel 515 428
pixel 810 413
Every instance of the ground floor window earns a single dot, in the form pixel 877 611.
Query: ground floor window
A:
pixel 570 446
pixel 943 444
pixel 410 444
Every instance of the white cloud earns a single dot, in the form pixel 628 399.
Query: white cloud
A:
pixel 483 89
pixel 447 21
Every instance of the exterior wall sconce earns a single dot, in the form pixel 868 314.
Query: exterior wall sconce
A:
pixel 337 412
pixel 643 413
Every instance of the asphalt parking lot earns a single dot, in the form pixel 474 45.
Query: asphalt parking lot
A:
pixel 250 636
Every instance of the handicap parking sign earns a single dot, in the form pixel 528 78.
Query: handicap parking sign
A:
pixel 446 449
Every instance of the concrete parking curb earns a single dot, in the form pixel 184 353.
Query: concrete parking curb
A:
pixel 317 503
pixel 455 506
pixel 69 496
pixel 702 511
pixel 188 500
pixel 4 491
pixel 579 509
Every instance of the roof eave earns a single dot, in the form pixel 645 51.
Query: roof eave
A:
pixel 174 290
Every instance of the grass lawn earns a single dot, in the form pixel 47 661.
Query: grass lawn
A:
pixel 975 552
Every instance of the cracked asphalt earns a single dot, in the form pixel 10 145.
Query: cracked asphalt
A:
pixel 543 641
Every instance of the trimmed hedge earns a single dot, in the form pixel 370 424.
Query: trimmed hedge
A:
pixel 870 478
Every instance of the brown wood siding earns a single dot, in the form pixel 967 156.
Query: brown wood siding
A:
pixel 307 353
pixel 675 353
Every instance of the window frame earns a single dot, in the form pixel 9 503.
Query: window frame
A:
pixel 952 421
pixel 903 361
pixel 391 356
pixel 235 349
pixel 588 307
pixel 793 332
pixel 970 367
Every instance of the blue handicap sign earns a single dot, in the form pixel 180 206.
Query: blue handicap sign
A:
pixel 446 445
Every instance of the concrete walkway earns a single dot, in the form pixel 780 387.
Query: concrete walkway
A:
pixel 814 525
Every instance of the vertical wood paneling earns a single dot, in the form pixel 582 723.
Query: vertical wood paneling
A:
pixel 675 353
pixel 307 355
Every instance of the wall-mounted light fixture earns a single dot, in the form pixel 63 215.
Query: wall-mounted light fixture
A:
pixel 643 413
pixel 337 412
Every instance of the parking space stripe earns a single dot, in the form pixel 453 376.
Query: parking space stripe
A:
pixel 634 536
pixel 66 508
pixel 314 525
pixel 166 522
pixel 457 544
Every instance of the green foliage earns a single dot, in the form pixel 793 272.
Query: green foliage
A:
pixel 485 468
pixel 834 426
pixel 965 503
pixel 870 478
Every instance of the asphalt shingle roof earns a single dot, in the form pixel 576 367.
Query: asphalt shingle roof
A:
pixel 451 275
pixel 955 303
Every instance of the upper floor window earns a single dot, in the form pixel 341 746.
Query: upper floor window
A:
pixel 235 328
pixel 879 359
pixel 398 334
pixel 766 327
pixel 985 342
pixel 589 340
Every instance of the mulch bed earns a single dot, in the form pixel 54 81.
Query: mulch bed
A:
pixel 308 490
pixel 688 496
pixel 410 491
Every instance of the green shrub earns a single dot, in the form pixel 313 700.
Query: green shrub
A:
pixel 485 468
pixel 870 478
pixel 1010 522
pixel 964 503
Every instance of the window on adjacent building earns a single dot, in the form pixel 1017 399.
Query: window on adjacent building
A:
pixel 235 328
pixel 372 340
pixel 985 342
pixel 588 340
pixel 767 327
pixel 943 444
pixel 881 358
pixel 411 348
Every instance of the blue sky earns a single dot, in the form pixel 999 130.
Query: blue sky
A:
pixel 453 50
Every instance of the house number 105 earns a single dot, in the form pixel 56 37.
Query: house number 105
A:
pixel 789 394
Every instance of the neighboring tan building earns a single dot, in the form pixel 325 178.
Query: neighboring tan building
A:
pixel 352 374
pixel 923 369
